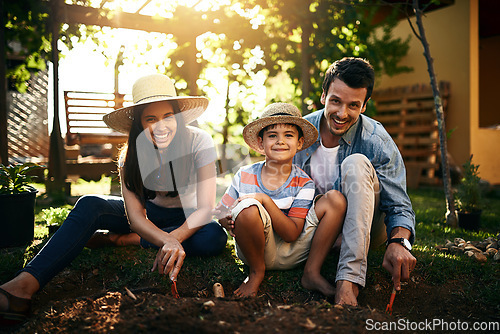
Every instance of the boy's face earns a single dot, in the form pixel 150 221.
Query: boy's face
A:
pixel 280 142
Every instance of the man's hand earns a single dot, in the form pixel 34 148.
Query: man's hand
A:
pixel 397 259
pixel 399 262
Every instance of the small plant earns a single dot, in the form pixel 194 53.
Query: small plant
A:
pixel 14 179
pixel 55 216
pixel 468 195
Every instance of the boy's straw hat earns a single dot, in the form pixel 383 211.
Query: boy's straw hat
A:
pixel 150 89
pixel 279 113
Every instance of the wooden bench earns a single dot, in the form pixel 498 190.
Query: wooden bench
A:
pixel 85 128
pixel 408 114
pixel 84 112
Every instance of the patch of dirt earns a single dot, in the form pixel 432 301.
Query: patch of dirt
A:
pixel 76 302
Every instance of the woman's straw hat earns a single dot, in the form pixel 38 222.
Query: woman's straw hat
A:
pixel 150 89
pixel 279 113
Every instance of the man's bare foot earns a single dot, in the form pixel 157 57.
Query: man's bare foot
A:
pixel 347 293
pixel 317 283
pixel 250 285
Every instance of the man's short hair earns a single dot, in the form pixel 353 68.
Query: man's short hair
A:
pixel 354 72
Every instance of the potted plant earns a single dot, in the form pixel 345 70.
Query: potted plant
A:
pixel 468 197
pixel 17 204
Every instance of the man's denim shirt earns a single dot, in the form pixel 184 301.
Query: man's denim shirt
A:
pixel 369 138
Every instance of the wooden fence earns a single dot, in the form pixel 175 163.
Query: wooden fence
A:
pixel 27 122
pixel 408 114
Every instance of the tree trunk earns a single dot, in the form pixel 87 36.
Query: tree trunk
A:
pixel 4 147
pixel 451 217
pixel 305 71
pixel 57 155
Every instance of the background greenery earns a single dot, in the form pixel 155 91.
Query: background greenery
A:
pixel 480 283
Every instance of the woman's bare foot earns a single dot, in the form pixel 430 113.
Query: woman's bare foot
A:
pixel 250 285
pixel 347 293
pixel 316 282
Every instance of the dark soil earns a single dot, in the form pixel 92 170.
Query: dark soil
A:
pixel 76 302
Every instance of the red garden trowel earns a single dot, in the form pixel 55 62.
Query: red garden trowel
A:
pixel 175 294
pixel 391 301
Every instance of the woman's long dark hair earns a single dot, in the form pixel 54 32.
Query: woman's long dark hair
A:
pixel 132 175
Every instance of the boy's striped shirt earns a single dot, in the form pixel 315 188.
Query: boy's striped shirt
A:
pixel 294 197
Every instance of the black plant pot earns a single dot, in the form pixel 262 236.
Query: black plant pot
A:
pixel 17 218
pixel 470 221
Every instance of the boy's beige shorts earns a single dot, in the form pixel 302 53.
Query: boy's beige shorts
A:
pixel 278 254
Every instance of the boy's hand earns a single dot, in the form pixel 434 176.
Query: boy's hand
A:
pixel 221 211
pixel 223 214
pixel 228 224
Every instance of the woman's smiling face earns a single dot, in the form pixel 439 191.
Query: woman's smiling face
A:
pixel 160 120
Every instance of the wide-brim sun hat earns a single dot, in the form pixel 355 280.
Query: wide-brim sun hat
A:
pixel 279 113
pixel 150 89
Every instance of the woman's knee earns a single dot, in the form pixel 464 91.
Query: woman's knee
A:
pixel 90 202
pixel 209 241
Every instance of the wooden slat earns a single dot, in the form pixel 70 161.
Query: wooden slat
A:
pixel 408 115
pixel 27 124
pixel 84 111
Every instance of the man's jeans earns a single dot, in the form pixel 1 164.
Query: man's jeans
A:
pixel 94 212
pixel 364 223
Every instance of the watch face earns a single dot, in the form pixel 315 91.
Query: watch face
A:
pixel 407 244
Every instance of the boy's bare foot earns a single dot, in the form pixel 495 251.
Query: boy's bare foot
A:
pixel 317 283
pixel 347 293
pixel 250 285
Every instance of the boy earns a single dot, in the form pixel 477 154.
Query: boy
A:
pixel 267 206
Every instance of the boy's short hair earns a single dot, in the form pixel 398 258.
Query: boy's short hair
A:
pixel 272 126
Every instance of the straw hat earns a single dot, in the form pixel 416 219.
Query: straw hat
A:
pixel 150 89
pixel 279 113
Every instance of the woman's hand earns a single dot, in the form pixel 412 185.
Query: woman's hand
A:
pixel 170 258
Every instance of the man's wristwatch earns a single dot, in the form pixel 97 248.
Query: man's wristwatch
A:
pixel 405 243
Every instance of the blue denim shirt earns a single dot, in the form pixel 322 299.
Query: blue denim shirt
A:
pixel 369 138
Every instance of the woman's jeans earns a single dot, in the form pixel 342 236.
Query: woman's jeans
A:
pixel 95 212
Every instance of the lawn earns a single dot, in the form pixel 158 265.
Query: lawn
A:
pixel 445 286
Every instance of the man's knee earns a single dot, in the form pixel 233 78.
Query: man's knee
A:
pixel 358 175
pixel 353 162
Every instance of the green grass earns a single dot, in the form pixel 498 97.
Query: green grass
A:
pixel 120 267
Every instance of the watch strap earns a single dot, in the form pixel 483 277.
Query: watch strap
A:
pixel 400 241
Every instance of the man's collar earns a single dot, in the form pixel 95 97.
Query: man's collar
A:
pixel 348 137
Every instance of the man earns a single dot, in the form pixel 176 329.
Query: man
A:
pixel 356 155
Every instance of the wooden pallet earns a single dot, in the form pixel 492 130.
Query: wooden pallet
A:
pixel 408 114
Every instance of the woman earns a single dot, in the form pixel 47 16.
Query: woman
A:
pixel 167 173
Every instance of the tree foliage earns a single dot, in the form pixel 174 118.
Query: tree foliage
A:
pixel 332 29
pixel 28 39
